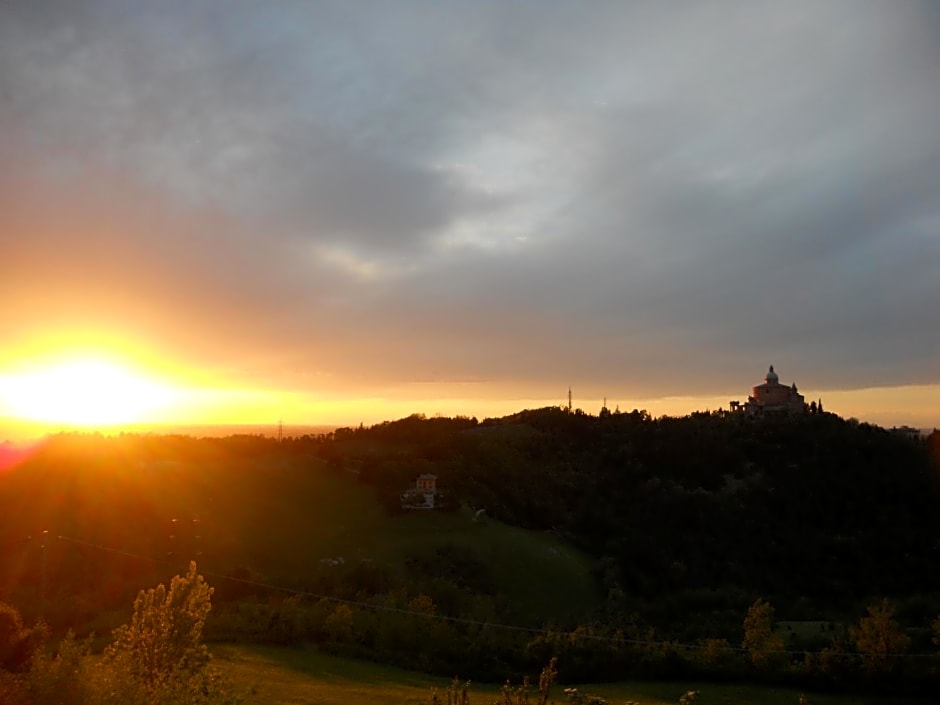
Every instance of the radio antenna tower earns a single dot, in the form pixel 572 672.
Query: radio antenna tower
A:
pixel 569 400
pixel 280 431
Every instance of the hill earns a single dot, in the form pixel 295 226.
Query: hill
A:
pixel 626 545
pixel 690 519
pixel 132 509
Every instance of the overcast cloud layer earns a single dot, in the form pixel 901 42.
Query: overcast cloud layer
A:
pixel 647 198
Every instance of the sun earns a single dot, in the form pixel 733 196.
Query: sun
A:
pixel 83 393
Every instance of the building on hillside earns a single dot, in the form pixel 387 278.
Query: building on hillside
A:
pixel 423 495
pixel 771 397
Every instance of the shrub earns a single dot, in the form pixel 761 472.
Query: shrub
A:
pixel 159 657
pixel 17 643
pixel 62 679
pixel 879 638
pixel 762 644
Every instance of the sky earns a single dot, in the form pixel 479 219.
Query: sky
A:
pixel 331 212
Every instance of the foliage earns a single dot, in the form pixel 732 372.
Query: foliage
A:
pixel 879 638
pixel 156 659
pixel 713 652
pixel 459 692
pixel 713 502
pixel 810 509
pixel 685 521
pixel 164 637
pixel 62 679
pixel 759 638
pixel 17 643
pixel 160 657
pixel 339 625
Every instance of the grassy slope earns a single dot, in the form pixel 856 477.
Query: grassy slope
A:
pixel 277 676
pixel 278 518
pixel 282 523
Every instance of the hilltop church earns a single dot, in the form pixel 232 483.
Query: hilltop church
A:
pixel 771 397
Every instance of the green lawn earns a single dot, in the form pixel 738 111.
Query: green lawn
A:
pixel 282 676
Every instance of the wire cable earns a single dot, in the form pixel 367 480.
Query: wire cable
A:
pixel 646 643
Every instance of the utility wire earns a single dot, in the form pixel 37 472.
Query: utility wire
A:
pixel 480 623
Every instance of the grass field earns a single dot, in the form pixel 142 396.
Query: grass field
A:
pixel 281 676
pixel 277 517
pixel 282 521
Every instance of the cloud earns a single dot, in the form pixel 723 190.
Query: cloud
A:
pixel 646 198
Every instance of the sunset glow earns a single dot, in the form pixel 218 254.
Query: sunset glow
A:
pixel 430 303
pixel 375 221
pixel 104 393
pixel 83 393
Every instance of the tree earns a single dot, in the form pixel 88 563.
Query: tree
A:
pixel 17 643
pixel 162 644
pixel 339 625
pixel 880 638
pixel 712 652
pixel 759 638
pixel 60 679
pixel 156 659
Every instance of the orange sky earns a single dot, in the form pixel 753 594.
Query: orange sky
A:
pixel 252 212
pixel 107 393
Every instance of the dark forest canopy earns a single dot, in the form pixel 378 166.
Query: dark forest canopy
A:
pixel 814 510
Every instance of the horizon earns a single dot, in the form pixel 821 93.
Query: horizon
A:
pixel 20 432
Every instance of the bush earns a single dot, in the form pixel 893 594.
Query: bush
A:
pixel 158 658
pixel 60 680
pixel 17 644
pixel 163 640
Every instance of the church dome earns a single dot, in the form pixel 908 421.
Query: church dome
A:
pixel 772 377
